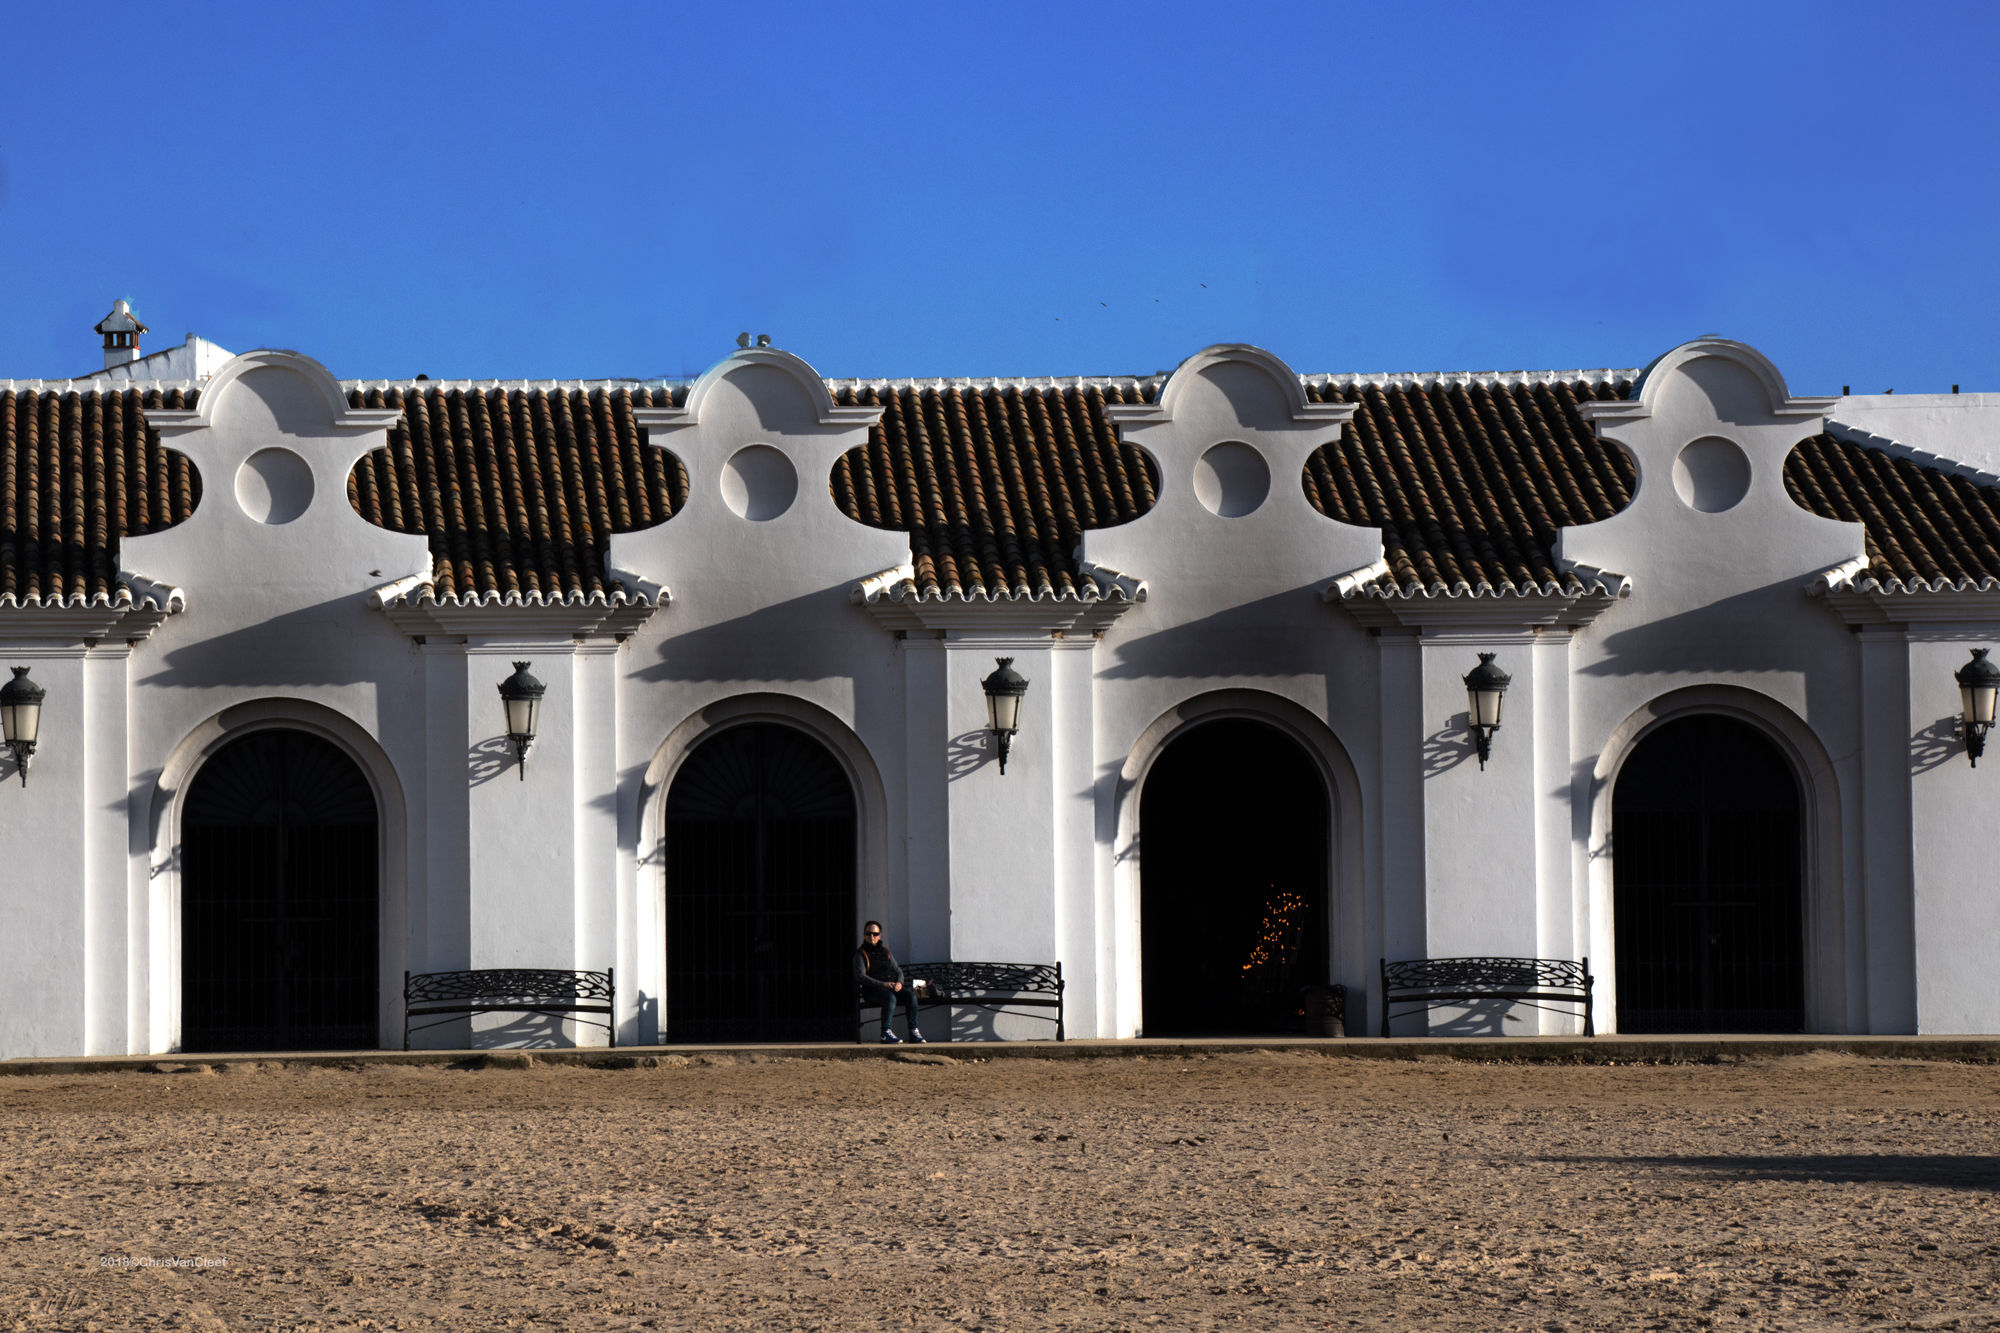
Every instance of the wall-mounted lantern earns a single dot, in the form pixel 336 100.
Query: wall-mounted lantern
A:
pixel 1978 690
pixel 521 696
pixel 1004 691
pixel 1485 688
pixel 21 717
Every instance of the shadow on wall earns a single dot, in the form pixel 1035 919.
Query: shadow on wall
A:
pixel 1274 636
pixel 963 1023
pixel 291 649
pixel 783 641
pixel 967 753
pixel 1751 631
pixel 520 1031
pixel 1935 745
pixel 488 759
pixel 1480 1018
pixel 1447 749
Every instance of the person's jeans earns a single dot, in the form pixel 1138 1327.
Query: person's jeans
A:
pixel 881 995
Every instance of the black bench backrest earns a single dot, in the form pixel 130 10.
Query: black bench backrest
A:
pixel 988 978
pixel 1499 974
pixel 527 984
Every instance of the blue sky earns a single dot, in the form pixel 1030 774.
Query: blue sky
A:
pixel 500 190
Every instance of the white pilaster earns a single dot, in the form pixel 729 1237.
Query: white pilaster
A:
pixel 926 895
pixel 1561 894
pixel 446 906
pixel 604 916
pixel 1400 914
pixel 108 920
pixel 1885 936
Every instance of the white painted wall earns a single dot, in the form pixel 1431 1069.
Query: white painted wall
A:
pixel 1958 427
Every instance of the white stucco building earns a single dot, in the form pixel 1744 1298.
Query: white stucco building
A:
pixel 271 611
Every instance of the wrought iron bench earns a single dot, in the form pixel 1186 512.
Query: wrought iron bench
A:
pixel 509 990
pixel 990 986
pixel 1536 982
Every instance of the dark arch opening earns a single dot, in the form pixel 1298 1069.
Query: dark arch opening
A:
pixel 1233 828
pixel 1707 867
pixel 760 857
pixel 279 914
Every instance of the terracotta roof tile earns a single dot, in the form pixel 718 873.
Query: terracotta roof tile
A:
pixel 1469 481
pixel 78 472
pixel 519 490
pixel 994 483
pixel 1926 529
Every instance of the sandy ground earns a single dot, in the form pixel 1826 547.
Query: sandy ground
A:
pixel 1250 1190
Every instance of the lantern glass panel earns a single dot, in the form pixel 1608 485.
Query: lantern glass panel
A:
pixel 1485 706
pixel 23 721
pixel 1979 702
pixel 523 716
pixel 1003 712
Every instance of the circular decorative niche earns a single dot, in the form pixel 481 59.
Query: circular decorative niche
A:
pixel 1231 480
pixel 274 485
pixel 1711 475
pixel 759 483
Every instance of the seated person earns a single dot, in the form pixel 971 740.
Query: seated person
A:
pixel 881 980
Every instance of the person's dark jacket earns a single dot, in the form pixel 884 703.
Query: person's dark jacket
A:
pixel 873 963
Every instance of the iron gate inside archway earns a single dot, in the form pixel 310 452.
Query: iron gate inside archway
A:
pixel 1233 829
pixel 1706 863
pixel 279 925
pixel 760 831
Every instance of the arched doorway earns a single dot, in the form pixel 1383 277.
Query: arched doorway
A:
pixel 760 860
pixel 1233 826
pixel 1708 886
pixel 279 913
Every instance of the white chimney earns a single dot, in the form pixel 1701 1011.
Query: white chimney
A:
pixel 121 330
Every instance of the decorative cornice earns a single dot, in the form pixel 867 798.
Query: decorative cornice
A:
pixel 896 602
pixel 140 607
pixel 1379 604
pixel 829 412
pixel 172 422
pixel 413 606
pixel 1639 403
pixel 1288 382
pixel 1859 598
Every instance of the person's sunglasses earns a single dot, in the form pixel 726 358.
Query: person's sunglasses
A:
pixel 871 934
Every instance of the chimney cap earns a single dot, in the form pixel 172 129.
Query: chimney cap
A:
pixel 121 319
